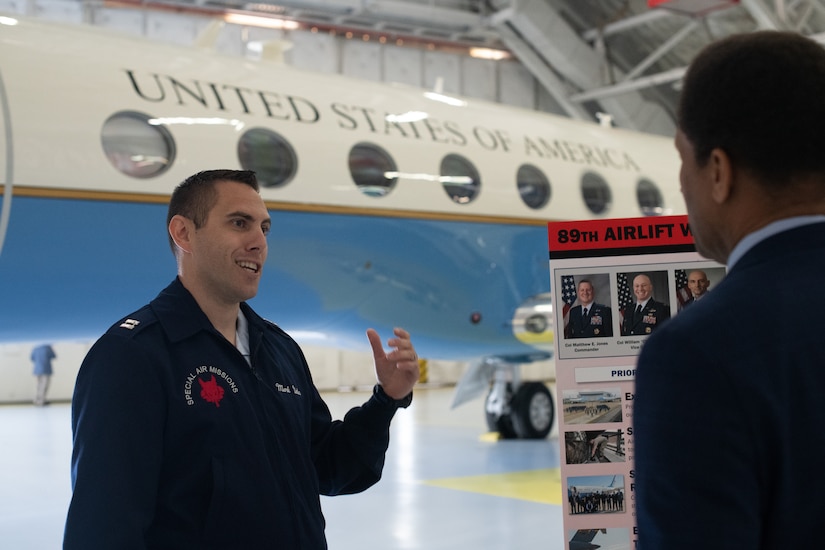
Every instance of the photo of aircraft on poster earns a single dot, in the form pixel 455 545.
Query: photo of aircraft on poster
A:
pixel 604 539
pixel 596 494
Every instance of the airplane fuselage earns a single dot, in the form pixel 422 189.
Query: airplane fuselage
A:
pixel 450 257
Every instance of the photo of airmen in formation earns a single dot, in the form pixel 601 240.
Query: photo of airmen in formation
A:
pixel 595 494
pixel 592 406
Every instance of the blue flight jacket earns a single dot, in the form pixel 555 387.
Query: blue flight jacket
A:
pixel 180 444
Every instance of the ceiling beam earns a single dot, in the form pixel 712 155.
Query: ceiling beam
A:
pixel 656 54
pixel 539 69
pixel 760 14
pixel 630 85
pixel 625 24
pixel 562 51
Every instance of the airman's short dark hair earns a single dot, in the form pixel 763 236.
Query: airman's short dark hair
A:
pixel 196 195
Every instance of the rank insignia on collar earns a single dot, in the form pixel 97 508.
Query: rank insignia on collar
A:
pixel 130 324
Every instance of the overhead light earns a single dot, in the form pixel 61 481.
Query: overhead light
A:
pixel 268 8
pixel 488 53
pixel 8 21
pixel 258 21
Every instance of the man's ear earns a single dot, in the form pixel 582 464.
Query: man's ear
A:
pixel 722 174
pixel 181 229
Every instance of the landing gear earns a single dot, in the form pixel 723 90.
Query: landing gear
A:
pixel 513 408
pixel 526 414
pixel 532 411
pixel 497 419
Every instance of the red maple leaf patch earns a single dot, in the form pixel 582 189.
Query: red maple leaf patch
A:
pixel 211 391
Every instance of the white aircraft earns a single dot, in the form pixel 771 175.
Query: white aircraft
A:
pixel 583 539
pixel 613 539
pixel 587 490
pixel 392 206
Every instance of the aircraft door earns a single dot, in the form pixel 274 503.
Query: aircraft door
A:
pixel 6 172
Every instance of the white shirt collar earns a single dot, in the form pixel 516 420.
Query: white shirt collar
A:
pixel 242 336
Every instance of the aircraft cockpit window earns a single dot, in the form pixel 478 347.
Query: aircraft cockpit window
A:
pixel 460 178
pixel 372 169
pixel 533 186
pixel 136 145
pixel 596 193
pixel 269 155
pixel 650 198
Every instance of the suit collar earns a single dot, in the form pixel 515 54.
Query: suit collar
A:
pixel 780 226
pixel 809 236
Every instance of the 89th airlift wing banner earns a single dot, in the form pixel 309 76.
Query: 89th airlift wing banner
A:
pixel 614 283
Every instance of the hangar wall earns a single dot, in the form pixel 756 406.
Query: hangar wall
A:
pixel 504 81
pixel 332 370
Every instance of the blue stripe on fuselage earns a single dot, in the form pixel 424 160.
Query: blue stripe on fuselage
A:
pixel 70 268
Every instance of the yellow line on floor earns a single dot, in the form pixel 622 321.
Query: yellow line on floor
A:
pixel 542 486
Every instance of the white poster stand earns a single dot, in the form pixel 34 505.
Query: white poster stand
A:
pixel 611 264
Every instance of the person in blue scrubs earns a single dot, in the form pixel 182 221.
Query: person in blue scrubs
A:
pixel 42 357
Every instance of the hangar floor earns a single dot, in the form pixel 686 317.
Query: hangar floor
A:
pixel 446 484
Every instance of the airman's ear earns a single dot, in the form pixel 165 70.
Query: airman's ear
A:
pixel 181 229
pixel 722 172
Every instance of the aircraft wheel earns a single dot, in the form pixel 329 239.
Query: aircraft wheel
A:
pixel 502 424
pixel 532 407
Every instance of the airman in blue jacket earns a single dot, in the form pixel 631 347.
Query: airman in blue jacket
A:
pixel 196 422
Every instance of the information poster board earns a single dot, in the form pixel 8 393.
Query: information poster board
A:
pixel 600 270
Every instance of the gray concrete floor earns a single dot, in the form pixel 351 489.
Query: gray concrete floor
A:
pixel 447 483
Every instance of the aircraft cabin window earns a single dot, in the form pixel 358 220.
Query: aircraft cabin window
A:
pixel 533 186
pixel 650 198
pixel 372 169
pixel 269 155
pixel 136 146
pixel 460 178
pixel 596 193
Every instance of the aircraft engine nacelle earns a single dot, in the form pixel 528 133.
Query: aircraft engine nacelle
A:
pixel 533 321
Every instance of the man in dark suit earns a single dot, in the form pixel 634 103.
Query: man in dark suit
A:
pixel 589 319
pixel 645 314
pixel 728 411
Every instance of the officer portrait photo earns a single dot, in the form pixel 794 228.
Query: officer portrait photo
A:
pixel 643 300
pixel 586 310
pixel 694 284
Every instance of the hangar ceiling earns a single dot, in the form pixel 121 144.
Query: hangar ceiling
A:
pixel 623 57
